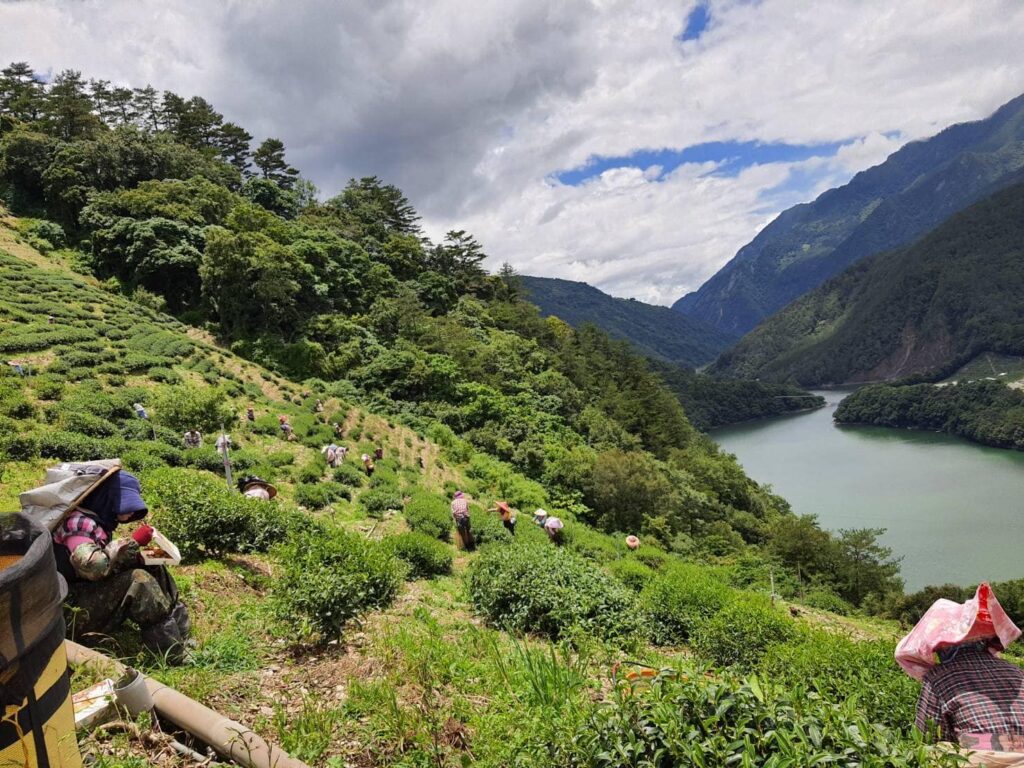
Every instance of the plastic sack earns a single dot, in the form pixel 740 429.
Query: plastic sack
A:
pixel 947 623
pixel 65 487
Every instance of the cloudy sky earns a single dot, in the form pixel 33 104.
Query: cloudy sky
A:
pixel 633 145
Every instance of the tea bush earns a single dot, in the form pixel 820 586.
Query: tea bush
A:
pixel 632 573
pixel 349 474
pixel 188 406
pixel 840 669
pixel 429 514
pixel 535 587
pixel 679 599
pixel 203 517
pixel 324 581
pixel 651 556
pixel 742 632
pixel 487 527
pixel 825 599
pixel 425 556
pixel 87 424
pixel 379 500
pixel 690 720
pixel 319 495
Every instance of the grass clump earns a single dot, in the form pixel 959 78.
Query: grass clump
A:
pixel 425 555
pixel 328 579
pixel 550 591
pixel 680 599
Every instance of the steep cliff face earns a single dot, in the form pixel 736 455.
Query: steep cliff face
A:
pixel 882 208
pixel 923 309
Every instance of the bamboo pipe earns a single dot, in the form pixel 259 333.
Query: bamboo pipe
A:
pixel 230 739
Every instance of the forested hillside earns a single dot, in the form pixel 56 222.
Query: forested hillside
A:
pixel 987 412
pixel 655 332
pixel 881 208
pixel 925 309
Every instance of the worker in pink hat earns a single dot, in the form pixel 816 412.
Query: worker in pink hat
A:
pixel 974 698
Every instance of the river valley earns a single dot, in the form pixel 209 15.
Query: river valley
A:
pixel 953 510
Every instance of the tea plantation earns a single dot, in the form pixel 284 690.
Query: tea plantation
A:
pixel 340 621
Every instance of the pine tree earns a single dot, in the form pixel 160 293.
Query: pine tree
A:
pixel 269 158
pixel 21 94
pixel 68 108
pixel 233 144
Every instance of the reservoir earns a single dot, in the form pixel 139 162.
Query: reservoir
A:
pixel 953 510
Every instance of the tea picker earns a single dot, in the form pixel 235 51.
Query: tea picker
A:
pixel 974 698
pixel 110 578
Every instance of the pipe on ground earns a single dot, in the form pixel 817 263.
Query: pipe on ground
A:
pixel 230 739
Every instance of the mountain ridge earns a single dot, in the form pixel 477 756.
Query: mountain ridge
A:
pixel 881 208
pixel 921 310
pixel 656 332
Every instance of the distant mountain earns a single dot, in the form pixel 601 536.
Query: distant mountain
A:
pixel 655 332
pixel 924 309
pixel 884 207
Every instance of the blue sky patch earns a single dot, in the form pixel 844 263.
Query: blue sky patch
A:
pixel 731 157
pixel 696 22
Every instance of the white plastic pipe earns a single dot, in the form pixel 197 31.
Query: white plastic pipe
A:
pixel 232 740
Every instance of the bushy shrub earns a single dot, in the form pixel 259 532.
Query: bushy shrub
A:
pixel 651 556
pixel 428 514
pixel 48 387
pixel 203 457
pixel 379 500
pixel 679 599
pixel 319 495
pixel 553 592
pixel 487 527
pixel 73 446
pixel 165 375
pixel 349 474
pixel 632 573
pixel 735 721
pixel 825 599
pixel 186 406
pixel 311 472
pixel 840 670
pixel 425 555
pixel 280 458
pixel 18 445
pixel 202 516
pixel 323 581
pixel 86 423
pixel 591 544
pixel 742 632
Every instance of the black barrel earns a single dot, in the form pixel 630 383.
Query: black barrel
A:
pixel 37 720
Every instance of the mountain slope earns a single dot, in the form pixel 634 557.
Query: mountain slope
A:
pixel 884 207
pixel 655 332
pixel 923 309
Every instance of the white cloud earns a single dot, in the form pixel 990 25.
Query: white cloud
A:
pixel 470 106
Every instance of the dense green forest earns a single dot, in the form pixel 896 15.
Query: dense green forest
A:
pixel 714 401
pixel 987 412
pixel 925 309
pixel 655 332
pixel 153 198
pixel 674 344
pixel 882 208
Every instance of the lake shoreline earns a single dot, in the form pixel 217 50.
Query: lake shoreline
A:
pixel 951 508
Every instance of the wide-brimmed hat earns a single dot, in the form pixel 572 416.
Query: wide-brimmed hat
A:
pixel 540 513
pixel 250 480
pixel 554 524
pixel 947 624
pixel 632 542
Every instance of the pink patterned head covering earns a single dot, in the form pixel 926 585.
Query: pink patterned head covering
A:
pixel 947 624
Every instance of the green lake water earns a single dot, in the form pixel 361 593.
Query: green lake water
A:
pixel 953 510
